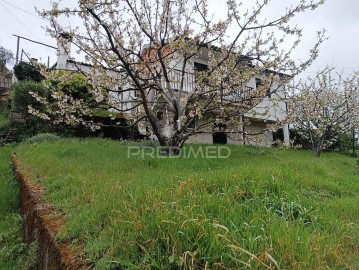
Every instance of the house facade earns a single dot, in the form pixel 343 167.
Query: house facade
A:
pixel 250 128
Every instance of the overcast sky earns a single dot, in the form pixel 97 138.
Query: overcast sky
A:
pixel 339 17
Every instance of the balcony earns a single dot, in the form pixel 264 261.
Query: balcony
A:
pixel 175 78
pixel 189 83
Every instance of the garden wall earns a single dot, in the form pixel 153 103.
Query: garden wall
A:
pixel 41 224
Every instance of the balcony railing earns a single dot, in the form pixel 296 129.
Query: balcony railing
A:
pixel 175 78
pixel 245 93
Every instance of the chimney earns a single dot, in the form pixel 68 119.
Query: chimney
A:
pixel 63 50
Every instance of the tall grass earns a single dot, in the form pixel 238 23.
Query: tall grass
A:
pixel 271 209
pixel 14 254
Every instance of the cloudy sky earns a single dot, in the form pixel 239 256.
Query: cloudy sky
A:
pixel 338 17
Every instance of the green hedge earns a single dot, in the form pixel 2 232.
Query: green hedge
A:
pixel 21 98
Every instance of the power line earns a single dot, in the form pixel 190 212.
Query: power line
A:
pixel 52 47
pixel 19 20
pixel 23 10
pixel 27 12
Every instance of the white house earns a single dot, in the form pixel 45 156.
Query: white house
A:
pixel 252 123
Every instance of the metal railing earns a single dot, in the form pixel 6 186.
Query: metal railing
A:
pixel 175 80
pixel 245 93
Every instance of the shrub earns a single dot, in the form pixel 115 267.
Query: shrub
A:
pixel 21 98
pixel 43 137
pixel 74 85
pixel 25 71
pixel 295 136
pixel 4 123
pixel 345 144
pixel 23 124
pixel 4 115
pixel 77 87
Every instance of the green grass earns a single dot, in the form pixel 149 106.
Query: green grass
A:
pixel 14 254
pixel 260 208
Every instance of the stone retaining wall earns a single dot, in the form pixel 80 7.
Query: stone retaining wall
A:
pixel 42 224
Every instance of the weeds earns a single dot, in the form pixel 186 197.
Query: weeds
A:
pixel 42 137
pixel 13 248
pixel 290 210
pixel 245 212
pixel 14 253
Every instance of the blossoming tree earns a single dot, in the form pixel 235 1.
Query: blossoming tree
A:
pixel 150 45
pixel 324 107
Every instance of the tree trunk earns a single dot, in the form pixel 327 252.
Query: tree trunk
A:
pixel 316 150
pixel 170 147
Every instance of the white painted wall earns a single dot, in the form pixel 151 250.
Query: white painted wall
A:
pixel 275 105
pixel 270 109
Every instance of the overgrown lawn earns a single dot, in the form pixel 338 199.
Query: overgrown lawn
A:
pixel 259 209
pixel 14 253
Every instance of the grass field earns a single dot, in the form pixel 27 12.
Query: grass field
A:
pixel 14 254
pixel 259 209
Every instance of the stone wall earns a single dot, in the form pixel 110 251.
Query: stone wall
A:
pixel 41 224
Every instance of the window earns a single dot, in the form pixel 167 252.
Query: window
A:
pixel 193 123
pixel 200 67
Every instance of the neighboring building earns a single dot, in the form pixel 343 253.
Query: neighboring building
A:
pixel 5 85
pixel 274 103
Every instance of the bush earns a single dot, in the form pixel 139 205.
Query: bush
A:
pixel 4 123
pixel 74 85
pixel 23 124
pixel 345 144
pixel 25 71
pixel 295 137
pixel 77 87
pixel 4 115
pixel 21 98
pixel 43 137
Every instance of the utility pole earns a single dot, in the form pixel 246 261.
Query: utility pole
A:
pixel 22 54
pixel 33 41
pixel 17 50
